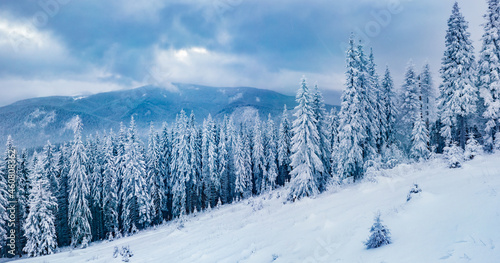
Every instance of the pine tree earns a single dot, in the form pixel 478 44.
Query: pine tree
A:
pixel 410 107
pixel 306 163
pixel 458 93
pixel 284 149
pixel 489 73
pixel 333 141
pixel 352 132
pixel 79 190
pixel 136 201
pixel 454 155
pixel 39 228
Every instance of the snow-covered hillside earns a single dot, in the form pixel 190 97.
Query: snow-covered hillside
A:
pixel 455 219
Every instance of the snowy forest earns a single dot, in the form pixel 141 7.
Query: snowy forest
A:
pixel 113 184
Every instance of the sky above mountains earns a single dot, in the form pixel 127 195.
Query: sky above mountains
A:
pixel 75 47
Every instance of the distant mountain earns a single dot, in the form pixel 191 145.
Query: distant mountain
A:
pixel 32 122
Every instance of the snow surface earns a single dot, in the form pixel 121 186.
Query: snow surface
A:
pixel 456 218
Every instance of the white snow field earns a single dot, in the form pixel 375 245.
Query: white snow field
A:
pixel 456 218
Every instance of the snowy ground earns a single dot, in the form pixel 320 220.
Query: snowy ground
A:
pixel 456 218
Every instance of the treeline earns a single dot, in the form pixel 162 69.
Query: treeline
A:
pixel 114 184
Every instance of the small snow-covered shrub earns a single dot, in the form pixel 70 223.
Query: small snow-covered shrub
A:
pixel 380 234
pixel 413 191
pixel 392 156
pixel 472 148
pixel 454 155
pixel 125 252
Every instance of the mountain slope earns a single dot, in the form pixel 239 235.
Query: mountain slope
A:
pixel 454 219
pixel 34 121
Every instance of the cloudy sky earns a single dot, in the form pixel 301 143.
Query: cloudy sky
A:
pixel 74 47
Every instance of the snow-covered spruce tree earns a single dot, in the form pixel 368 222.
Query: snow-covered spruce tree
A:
pixel 257 156
pixel 380 234
pixel 224 163
pixel 428 95
pixel 5 191
pixel 306 163
pixel 410 107
pixel 389 100
pixel 50 163
pixel 458 93
pixel 242 169
pixel 110 188
pixel 195 182
pixel 472 147
pixel 180 165
pixel 153 176
pixel 165 160
pixel 39 228
pixel 271 166
pixel 318 105
pixel 23 187
pixel 365 85
pixel 489 73
pixel 62 223
pixel 284 149
pixel 333 141
pixel 95 164
pixel 419 139
pixel 135 197
pixel 209 160
pixel 375 97
pixel 454 155
pixel 79 190
pixel 352 131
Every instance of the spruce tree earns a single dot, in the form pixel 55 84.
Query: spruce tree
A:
pixel 306 163
pixel 352 131
pixel 318 107
pixel 181 167
pixel 62 223
pixel 39 228
pixel 79 190
pixel 23 186
pixel 458 93
pixel 271 167
pixel 6 192
pixel 284 149
pixel 489 74
pixel 410 107
pixel 420 139
pixel 257 157
pixel 154 180
pixel 242 169
pixel 389 105
pixel 110 198
pixel 136 201
pixel 428 96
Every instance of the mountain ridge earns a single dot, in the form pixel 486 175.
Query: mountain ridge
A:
pixel 32 122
